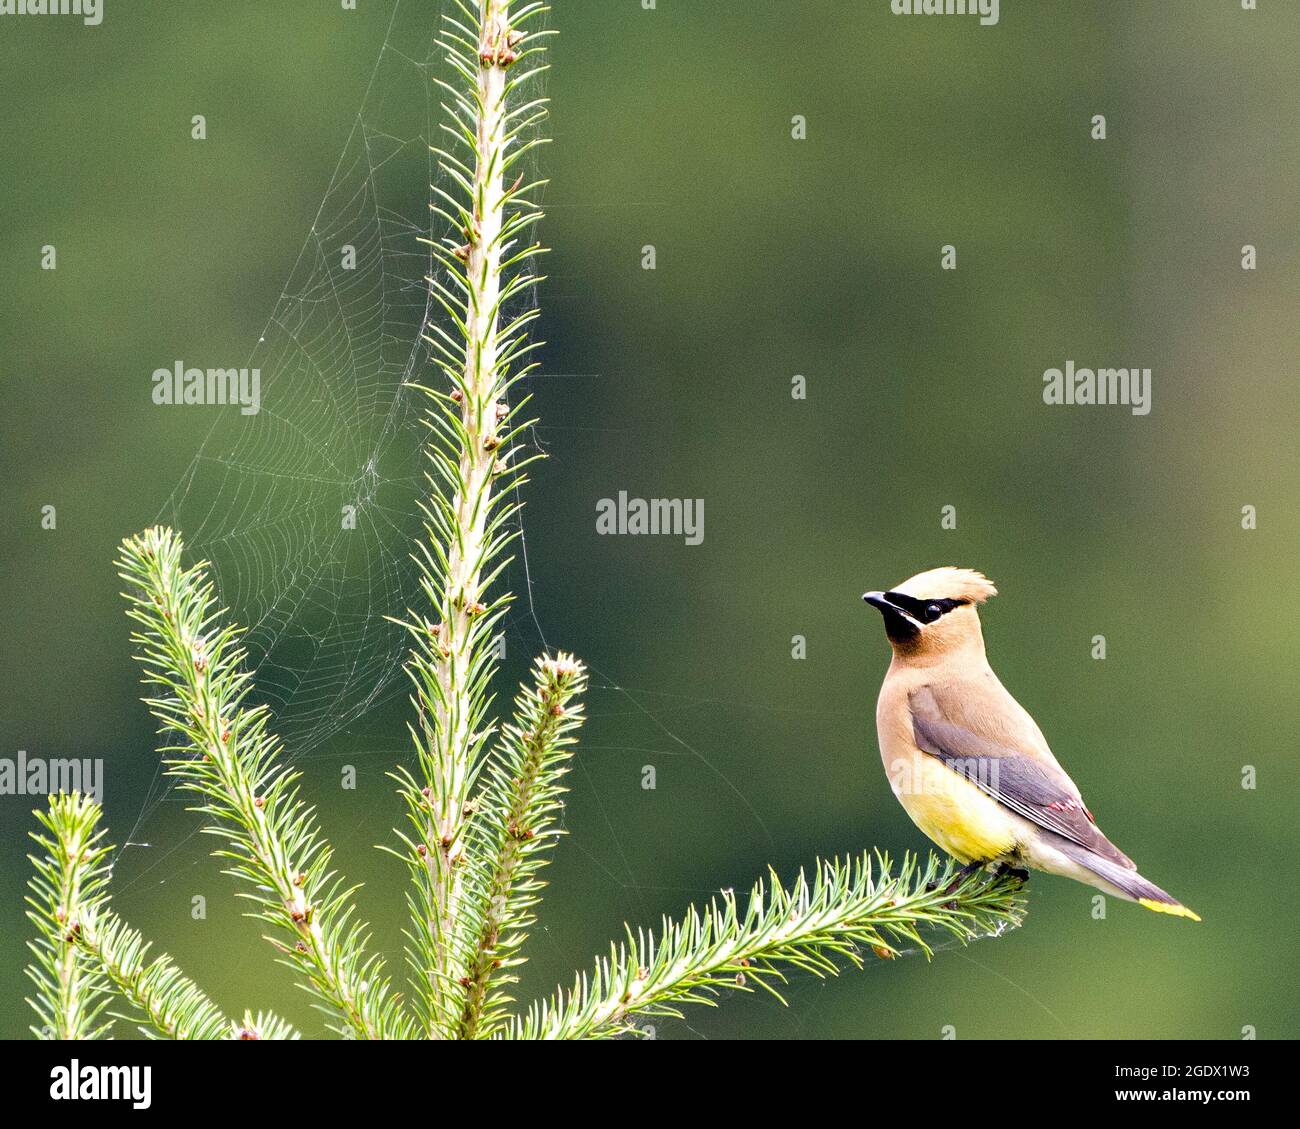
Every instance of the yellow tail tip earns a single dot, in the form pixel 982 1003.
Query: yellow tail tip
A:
pixel 1168 907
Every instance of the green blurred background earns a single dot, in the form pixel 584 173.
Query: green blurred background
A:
pixel 775 257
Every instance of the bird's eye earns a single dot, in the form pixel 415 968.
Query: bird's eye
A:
pixel 932 612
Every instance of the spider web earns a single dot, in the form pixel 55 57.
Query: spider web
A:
pixel 305 510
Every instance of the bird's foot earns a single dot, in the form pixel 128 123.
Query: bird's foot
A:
pixel 961 876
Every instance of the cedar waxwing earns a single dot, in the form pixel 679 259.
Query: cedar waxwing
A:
pixel 967 762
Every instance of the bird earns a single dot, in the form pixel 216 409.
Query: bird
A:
pixel 967 761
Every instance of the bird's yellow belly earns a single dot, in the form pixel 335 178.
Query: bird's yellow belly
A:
pixel 960 818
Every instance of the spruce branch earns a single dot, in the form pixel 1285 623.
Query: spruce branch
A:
pixel 170 1003
pixel 262 1027
pixel 521 801
pixel 113 954
pixel 109 956
pixel 477 461
pixel 71 992
pixel 226 757
pixel 816 926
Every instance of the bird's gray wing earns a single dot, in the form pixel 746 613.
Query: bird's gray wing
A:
pixel 1018 778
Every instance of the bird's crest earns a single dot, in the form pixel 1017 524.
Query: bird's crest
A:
pixel 948 584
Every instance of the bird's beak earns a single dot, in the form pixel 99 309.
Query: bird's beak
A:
pixel 880 602
pixel 898 621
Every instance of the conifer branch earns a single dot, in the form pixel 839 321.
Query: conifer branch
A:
pixel 477 464
pixel 815 926
pixel 71 992
pixel 228 759
pixel 262 1027
pixel 521 802
pixel 171 1004
pixel 109 954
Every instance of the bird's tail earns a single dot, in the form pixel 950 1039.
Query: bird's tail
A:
pixel 1129 883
